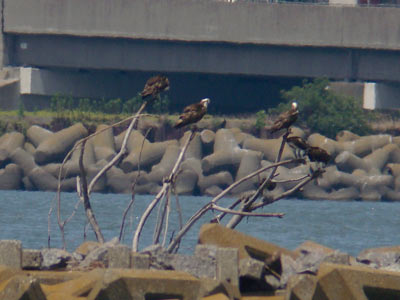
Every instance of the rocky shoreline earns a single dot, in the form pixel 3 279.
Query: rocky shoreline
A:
pixel 363 168
pixel 226 264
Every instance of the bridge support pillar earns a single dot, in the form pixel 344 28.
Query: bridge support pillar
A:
pixel 381 95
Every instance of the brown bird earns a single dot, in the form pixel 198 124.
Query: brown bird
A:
pixel 298 144
pixel 318 155
pixel 285 119
pixel 192 113
pixel 154 86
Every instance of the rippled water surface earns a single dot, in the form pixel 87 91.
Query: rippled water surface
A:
pixel 347 226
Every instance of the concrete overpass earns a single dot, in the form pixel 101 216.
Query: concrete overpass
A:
pixel 96 48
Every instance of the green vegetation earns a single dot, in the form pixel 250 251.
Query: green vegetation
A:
pixel 324 111
pixel 261 116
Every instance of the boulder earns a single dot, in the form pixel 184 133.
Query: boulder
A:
pixel 365 145
pixel 9 142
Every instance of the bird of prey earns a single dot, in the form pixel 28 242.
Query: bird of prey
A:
pixel 285 119
pixel 318 155
pixel 192 113
pixel 154 86
pixel 299 145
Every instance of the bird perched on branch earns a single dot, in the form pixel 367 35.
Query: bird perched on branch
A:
pixel 299 145
pixel 154 86
pixel 285 119
pixel 318 155
pixel 192 113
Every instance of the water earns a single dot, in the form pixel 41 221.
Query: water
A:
pixel 347 226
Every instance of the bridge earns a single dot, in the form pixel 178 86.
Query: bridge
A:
pixel 100 48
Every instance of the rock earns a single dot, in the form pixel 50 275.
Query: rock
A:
pixel 378 158
pixel 55 258
pixel 56 146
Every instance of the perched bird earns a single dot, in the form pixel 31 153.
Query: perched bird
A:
pixel 192 113
pixel 285 119
pixel 318 155
pixel 299 145
pixel 154 86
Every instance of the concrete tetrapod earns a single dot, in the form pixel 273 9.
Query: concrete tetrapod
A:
pixel 57 145
pixel 11 177
pixel 103 143
pixel 37 134
pixel 227 154
pixel 151 153
pixel 251 162
pixel 270 148
pixel 9 142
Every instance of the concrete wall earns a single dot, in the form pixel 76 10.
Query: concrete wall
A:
pixel 211 21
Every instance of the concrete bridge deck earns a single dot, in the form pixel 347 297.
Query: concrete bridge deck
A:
pixel 210 37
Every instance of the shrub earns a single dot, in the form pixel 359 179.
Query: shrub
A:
pixel 260 119
pixel 324 111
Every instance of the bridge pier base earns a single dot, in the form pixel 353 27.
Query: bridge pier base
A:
pixel 381 95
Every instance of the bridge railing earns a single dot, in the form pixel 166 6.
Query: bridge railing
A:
pixel 362 3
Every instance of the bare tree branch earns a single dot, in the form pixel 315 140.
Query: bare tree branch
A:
pixel 121 152
pixel 132 189
pixel 245 214
pixel 166 185
pixel 85 198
